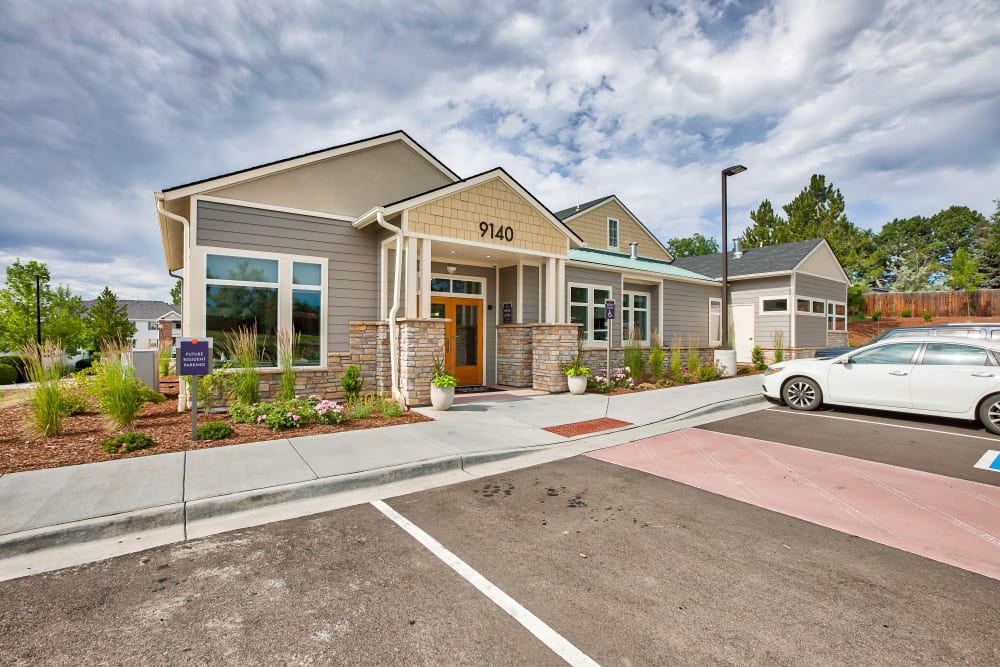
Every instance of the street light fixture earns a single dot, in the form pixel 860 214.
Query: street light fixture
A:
pixel 726 173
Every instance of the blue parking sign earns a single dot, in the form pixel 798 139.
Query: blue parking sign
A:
pixel 609 309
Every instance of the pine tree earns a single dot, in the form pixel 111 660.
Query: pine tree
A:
pixel 107 322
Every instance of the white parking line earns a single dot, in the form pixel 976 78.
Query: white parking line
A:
pixel 532 623
pixel 867 421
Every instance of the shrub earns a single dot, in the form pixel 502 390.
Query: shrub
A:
pixel 8 374
pixel 125 443
pixel 656 356
pixel 391 408
pixel 440 377
pixel 361 407
pixel 242 346
pixel 876 316
pixel 119 393
pixel 329 412
pixel 693 361
pixel 927 316
pixel 352 382
pixel 709 372
pixel 19 364
pixel 635 363
pixel 279 415
pixel 617 378
pixel 675 357
pixel 214 431
pixel 81 364
pixel 906 312
pixel 757 357
pixel 779 346
pixel 73 404
pixel 44 367
pixel 241 413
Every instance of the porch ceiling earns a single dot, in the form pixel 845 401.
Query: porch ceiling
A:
pixel 456 252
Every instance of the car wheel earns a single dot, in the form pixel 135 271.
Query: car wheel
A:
pixel 801 394
pixel 989 413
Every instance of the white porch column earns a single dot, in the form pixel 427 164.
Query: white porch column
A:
pixel 560 291
pixel 411 277
pixel 425 278
pixel 551 297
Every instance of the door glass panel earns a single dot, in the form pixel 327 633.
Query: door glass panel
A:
pixel 437 310
pixel 466 335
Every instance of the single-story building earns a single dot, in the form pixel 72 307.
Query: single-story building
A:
pixel 375 253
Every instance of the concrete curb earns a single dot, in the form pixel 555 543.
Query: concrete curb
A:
pixel 180 515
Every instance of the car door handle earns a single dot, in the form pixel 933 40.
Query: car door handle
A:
pixel 899 373
pixel 982 375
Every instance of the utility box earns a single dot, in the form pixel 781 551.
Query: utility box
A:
pixel 146 363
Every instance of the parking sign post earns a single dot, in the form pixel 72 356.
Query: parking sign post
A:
pixel 194 358
pixel 609 316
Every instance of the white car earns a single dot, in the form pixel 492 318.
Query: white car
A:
pixel 937 376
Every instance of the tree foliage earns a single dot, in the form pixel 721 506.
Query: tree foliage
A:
pixel 107 322
pixel 692 246
pixel 60 310
pixel 987 251
pixel 177 293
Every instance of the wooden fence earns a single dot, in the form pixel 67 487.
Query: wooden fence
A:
pixel 984 303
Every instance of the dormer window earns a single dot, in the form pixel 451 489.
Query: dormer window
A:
pixel 612 234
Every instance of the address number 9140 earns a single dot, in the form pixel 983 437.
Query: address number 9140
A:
pixel 502 232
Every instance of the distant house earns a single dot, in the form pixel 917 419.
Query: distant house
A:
pixel 796 289
pixel 149 318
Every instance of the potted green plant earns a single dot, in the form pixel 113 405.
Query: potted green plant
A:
pixel 576 373
pixel 443 386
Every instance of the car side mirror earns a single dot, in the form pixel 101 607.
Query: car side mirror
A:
pixel 846 361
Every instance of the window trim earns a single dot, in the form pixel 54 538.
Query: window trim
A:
pixel 711 300
pixel 762 299
pixel 460 295
pixel 285 286
pixel 631 308
pixel 811 302
pixel 618 229
pixel 590 287
pixel 830 312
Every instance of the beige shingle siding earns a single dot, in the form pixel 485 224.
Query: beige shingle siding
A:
pixel 458 216
pixel 592 227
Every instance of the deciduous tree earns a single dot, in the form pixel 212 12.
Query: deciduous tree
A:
pixel 60 310
pixel 691 246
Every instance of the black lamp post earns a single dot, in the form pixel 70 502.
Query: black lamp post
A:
pixel 726 173
pixel 38 310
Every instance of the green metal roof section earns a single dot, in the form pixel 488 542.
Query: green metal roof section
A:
pixel 620 261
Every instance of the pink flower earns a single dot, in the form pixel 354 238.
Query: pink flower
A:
pixel 261 418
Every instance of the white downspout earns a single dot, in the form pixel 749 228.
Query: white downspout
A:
pixel 186 224
pixel 396 279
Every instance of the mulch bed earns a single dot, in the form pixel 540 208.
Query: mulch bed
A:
pixel 589 426
pixel 80 441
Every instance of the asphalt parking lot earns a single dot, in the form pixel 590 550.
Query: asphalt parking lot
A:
pixel 622 566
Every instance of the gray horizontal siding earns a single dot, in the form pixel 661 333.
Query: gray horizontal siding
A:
pixel 352 255
pixel 508 292
pixel 820 288
pixel 531 306
pixel 766 325
pixel 810 330
pixel 685 311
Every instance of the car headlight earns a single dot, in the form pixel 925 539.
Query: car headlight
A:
pixel 771 370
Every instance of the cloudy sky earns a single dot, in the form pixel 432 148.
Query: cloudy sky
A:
pixel 104 103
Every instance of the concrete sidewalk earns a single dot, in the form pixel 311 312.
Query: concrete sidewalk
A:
pixel 170 495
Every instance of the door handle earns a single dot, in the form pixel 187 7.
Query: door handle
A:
pixel 982 375
pixel 898 373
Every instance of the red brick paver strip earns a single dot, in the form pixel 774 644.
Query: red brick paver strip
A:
pixel 950 520
pixel 589 426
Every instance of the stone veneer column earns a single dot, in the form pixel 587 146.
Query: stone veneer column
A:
pixel 514 345
pixel 370 351
pixel 553 345
pixel 420 342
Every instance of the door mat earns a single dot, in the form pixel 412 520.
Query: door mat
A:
pixel 474 389
pixel 589 426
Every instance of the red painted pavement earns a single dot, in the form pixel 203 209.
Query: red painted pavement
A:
pixel 949 520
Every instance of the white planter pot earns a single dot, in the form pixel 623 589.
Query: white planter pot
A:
pixel 442 397
pixel 727 360
pixel 577 384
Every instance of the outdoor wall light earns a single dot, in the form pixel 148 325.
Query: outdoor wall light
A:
pixel 452 270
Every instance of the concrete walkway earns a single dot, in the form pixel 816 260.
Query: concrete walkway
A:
pixel 171 497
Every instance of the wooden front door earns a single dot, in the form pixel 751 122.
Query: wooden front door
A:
pixel 463 345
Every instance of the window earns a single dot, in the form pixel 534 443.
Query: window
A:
pixel 714 321
pixel 456 286
pixel 586 307
pixel 266 294
pixel 810 306
pixel 953 354
pixel 635 316
pixel 773 305
pixel 152 325
pixel 895 353
pixel 836 316
pixel 612 233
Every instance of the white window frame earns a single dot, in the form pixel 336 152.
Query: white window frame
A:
pixel 812 301
pixel 716 340
pixel 831 313
pixel 460 295
pixel 631 310
pixel 284 285
pixel 617 228
pixel 589 340
pixel 760 306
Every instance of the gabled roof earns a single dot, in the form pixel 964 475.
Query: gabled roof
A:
pixel 644 264
pixel 498 172
pixel 306 158
pixel 568 214
pixel 145 310
pixel 781 258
